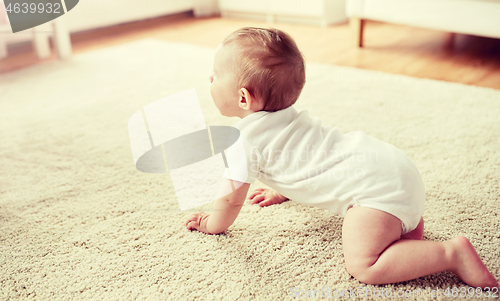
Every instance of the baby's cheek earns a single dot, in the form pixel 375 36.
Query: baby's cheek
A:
pixel 213 93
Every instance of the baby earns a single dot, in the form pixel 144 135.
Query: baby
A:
pixel 258 76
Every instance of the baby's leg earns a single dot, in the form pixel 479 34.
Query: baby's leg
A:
pixel 375 254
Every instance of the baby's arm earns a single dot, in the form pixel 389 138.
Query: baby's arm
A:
pixel 266 197
pixel 225 211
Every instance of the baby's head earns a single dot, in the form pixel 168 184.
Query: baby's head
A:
pixel 257 69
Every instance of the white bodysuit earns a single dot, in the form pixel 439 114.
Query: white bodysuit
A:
pixel 318 166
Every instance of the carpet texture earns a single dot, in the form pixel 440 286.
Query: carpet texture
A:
pixel 78 221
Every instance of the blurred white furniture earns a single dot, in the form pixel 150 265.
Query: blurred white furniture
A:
pixel 38 35
pixel 204 8
pixel 321 12
pixel 92 14
pixel 475 17
pixel 40 39
pixel 4 27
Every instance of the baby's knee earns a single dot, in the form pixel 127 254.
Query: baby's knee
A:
pixel 364 273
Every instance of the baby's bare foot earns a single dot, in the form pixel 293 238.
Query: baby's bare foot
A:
pixel 469 266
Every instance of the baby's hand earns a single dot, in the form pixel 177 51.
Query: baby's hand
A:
pixel 265 197
pixel 198 221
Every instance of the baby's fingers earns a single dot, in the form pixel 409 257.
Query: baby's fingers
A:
pixel 255 193
pixel 258 199
pixel 192 217
pixel 267 202
pixel 189 220
pixel 192 225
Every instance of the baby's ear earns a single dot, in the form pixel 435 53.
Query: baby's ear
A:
pixel 248 102
pixel 244 99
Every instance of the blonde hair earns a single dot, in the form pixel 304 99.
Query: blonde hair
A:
pixel 271 66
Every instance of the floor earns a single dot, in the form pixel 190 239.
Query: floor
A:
pixel 390 48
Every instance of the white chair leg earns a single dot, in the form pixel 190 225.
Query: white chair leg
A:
pixel 3 47
pixel 41 42
pixel 61 38
pixel 357 27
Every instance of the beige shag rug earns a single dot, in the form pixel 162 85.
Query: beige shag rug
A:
pixel 78 221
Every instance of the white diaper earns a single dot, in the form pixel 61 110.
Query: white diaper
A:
pixel 407 211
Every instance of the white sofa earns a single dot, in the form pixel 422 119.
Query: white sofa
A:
pixel 475 17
